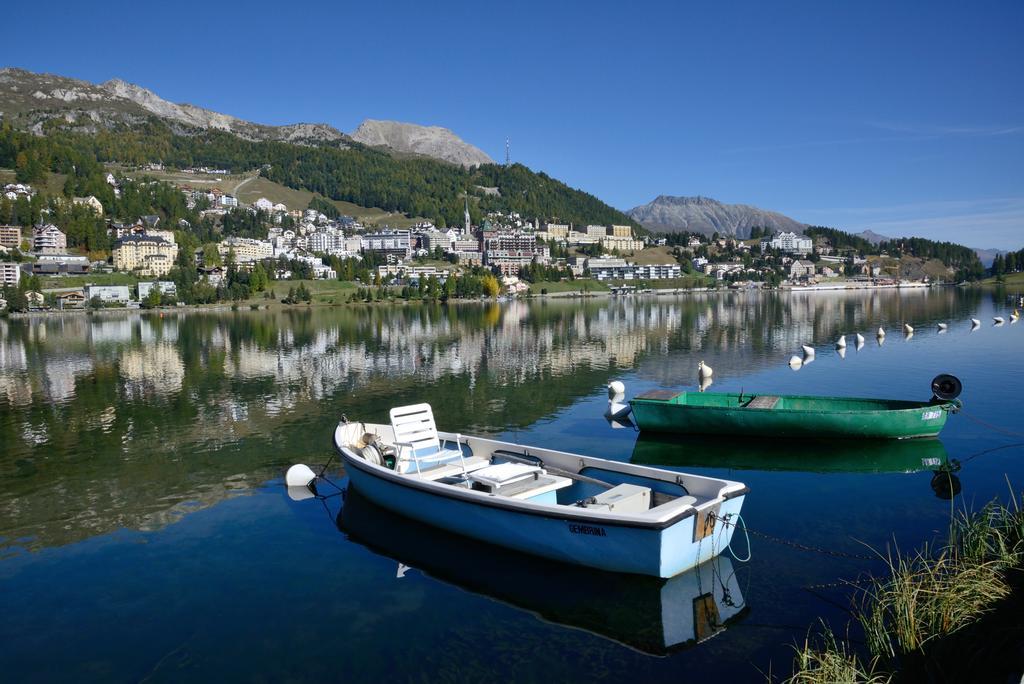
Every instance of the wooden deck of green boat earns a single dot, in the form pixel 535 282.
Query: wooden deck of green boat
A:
pixel 777 403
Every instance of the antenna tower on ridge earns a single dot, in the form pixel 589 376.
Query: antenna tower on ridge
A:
pixel 508 152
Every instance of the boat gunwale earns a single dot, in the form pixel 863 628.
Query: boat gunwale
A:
pixel 912 404
pixel 542 510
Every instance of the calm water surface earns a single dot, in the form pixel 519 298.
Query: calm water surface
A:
pixel 145 533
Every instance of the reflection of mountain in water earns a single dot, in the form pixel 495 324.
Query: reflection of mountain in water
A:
pixel 652 615
pixel 133 418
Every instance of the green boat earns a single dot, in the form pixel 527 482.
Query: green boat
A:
pixel 805 417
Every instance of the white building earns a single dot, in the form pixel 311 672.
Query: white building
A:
pixel 659 271
pixel 606 268
pixel 263 204
pixel 10 274
pixel 789 242
pixel 166 287
pixel 49 240
pixel 246 250
pixel 108 293
pixel 391 243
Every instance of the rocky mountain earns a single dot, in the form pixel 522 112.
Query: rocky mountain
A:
pixel 987 256
pixel 432 141
pixel 32 99
pixel 873 237
pixel 667 214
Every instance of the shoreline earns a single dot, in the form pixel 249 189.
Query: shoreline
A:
pixel 272 305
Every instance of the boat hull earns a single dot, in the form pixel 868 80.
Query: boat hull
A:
pixel 643 550
pixel 791 416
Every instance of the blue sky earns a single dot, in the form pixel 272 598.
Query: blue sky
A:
pixel 899 117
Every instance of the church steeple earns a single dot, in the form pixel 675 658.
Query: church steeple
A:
pixel 467 226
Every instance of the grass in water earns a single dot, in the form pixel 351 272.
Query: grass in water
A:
pixel 831 660
pixel 918 612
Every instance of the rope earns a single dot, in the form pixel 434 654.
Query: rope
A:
pixel 799 546
pixel 990 426
pixel 989 451
pixel 750 550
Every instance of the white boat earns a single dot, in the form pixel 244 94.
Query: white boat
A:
pixel 577 509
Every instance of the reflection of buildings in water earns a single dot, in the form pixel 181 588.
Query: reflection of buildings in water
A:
pixel 735 332
pixel 153 329
pixel 152 369
pixel 110 330
pixel 60 375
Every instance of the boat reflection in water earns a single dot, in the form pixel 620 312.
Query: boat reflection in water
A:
pixel 651 615
pixel 833 456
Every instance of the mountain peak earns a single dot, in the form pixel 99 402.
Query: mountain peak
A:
pixel 697 214
pixel 432 141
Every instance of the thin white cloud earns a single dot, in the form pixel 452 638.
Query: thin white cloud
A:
pixel 933 131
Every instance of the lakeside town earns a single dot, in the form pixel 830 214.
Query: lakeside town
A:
pixel 505 254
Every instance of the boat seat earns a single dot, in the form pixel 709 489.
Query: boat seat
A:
pixel 444 470
pixel 504 474
pixel 762 401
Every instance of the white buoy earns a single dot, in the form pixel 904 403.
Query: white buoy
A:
pixel 975 322
pixel 704 371
pixel 808 350
pixel 860 340
pixel 998 320
pixel 908 329
pixel 616 389
pixel 299 475
pixel 841 351
pixel 705 383
pixel 880 333
pixel 942 327
pixel 841 342
pixel 795 362
pixel 617 410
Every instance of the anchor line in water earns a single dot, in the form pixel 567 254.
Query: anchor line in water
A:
pixel 1014 445
pixel 797 545
pixel 990 426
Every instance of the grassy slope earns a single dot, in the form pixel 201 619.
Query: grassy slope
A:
pixel 54 181
pixel 64 282
pixel 1011 280
pixel 654 255
pixel 568 286
pixel 250 187
pixel 323 290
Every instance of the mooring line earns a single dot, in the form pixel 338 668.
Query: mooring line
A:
pixel 797 545
pixel 990 426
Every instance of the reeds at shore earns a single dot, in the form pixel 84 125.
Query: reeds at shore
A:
pixel 916 618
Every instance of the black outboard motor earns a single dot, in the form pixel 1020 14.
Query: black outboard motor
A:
pixel 946 387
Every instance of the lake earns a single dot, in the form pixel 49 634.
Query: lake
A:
pixel 145 532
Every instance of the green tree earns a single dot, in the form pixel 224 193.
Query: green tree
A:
pixel 152 298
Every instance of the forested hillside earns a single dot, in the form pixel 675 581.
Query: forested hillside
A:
pixel 364 176
pixel 963 260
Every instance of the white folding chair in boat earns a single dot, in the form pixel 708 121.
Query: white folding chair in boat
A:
pixel 418 444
